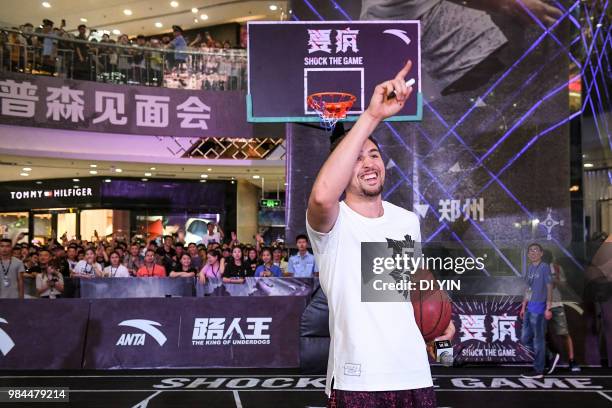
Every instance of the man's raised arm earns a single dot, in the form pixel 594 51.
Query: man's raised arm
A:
pixel 335 175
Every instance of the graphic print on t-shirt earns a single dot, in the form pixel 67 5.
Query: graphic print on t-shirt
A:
pixel 406 246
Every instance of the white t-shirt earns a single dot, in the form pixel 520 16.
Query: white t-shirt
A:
pixel 84 268
pixel 375 346
pixel 215 238
pixel 118 272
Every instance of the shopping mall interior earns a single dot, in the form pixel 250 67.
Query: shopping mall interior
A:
pixel 134 129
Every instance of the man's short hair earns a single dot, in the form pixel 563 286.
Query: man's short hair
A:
pixel 338 134
pixel 301 236
pixel 535 244
pixel 180 244
pixel 7 241
pixel 81 25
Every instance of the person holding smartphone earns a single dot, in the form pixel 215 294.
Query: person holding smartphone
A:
pixel 267 269
pixel 50 284
pixel 88 267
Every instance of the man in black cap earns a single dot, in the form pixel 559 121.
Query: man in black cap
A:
pixel 179 44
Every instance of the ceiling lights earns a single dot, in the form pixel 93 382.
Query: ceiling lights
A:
pixel 204 16
pixel 273 7
pixel 158 25
pixel 83 20
pixel 46 4
pixel 174 4
pixel 194 10
pixel 116 32
pixel 127 12
pixel 24 174
pixel 118 170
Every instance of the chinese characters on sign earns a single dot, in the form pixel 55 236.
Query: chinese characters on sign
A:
pixel 213 331
pixel 489 330
pixel 89 106
pixel 320 40
pixel 452 210
pixel 66 103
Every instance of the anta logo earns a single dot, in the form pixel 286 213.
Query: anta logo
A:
pixel 6 343
pixel 138 339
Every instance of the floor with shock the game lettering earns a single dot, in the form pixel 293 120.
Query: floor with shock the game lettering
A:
pixel 499 387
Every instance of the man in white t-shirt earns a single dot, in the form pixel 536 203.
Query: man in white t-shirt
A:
pixel 375 346
pixel 212 236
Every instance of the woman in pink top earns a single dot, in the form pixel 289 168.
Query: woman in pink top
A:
pixel 215 265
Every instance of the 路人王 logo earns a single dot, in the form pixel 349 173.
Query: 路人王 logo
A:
pixel 6 343
pixel 239 331
pixel 138 339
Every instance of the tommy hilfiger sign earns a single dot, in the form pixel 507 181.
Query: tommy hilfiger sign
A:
pixel 60 192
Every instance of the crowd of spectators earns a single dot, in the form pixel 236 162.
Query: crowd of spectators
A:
pixel 31 271
pixel 170 60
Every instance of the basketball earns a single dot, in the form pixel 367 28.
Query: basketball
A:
pixel 432 308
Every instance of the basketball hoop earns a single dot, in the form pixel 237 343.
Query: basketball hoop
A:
pixel 331 106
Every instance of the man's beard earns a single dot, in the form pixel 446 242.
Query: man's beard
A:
pixel 372 193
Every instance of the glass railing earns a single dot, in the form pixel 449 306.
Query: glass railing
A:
pixel 69 58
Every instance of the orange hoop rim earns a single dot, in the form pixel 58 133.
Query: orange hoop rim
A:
pixel 331 105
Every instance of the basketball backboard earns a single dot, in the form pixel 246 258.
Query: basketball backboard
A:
pixel 287 61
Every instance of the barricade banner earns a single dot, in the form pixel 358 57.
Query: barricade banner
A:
pixel 194 332
pixel 42 334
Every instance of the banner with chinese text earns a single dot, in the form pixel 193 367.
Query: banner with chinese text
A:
pixel 488 330
pixel 194 332
pixel 57 103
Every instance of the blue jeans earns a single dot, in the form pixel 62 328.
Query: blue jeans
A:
pixel 534 337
